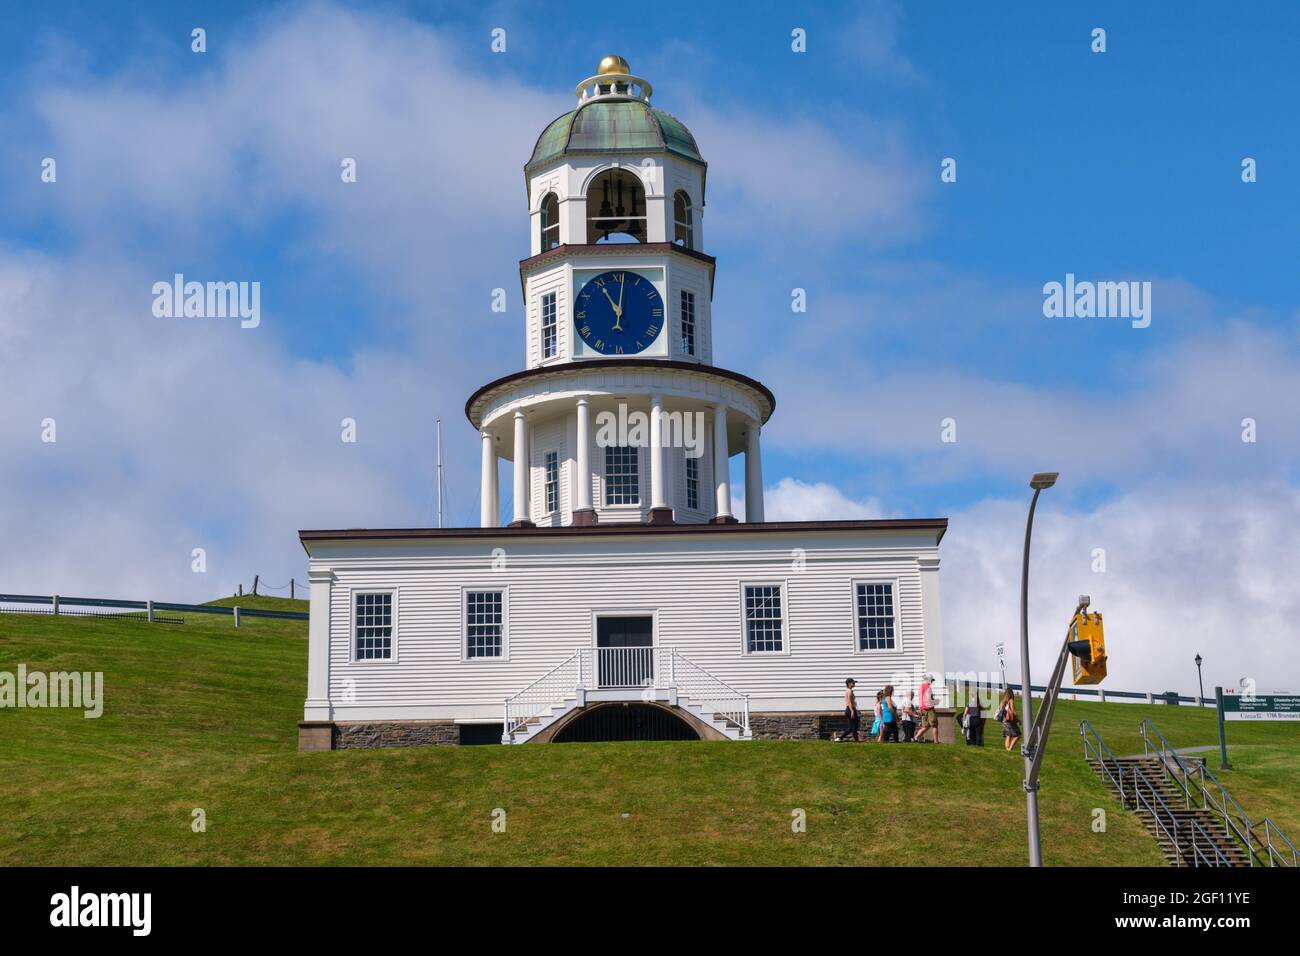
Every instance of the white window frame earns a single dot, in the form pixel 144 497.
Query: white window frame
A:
pixel 699 480
pixel 547 483
pixel 554 325
pixel 683 296
pixel 785 619
pixel 897 649
pixel 465 592
pixel 353 594
pixel 604 480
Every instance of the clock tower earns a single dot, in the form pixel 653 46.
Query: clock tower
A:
pixel 620 414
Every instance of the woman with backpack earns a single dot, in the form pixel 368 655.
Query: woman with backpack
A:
pixel 1010 720
pixel 888 716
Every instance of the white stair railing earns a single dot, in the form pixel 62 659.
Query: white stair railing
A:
pixel 709 692
pixel 622 667
pixel 625 668
pixel 541 695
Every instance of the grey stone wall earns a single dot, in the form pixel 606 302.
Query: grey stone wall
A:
pixel 414 733
pixel 796 726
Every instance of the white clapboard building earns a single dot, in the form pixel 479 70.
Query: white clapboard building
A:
pixel 624 599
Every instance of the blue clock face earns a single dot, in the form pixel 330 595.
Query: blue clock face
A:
pixel 619 313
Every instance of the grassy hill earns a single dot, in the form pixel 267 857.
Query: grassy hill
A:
pixel 201 715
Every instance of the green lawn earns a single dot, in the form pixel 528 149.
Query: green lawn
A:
pixel 202 715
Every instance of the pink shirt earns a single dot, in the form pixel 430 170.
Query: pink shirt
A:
pixel 926 702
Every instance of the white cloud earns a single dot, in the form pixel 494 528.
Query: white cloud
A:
pixel 1189 570
pixel 794 500
pixel 1208 570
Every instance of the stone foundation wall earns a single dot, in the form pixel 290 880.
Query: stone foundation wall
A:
pixel 777 726
pixel 423 733
pixel 414 733
pixel 795 726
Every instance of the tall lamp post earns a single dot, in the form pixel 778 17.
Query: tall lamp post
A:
pixel 1200 701
pixel 1044 479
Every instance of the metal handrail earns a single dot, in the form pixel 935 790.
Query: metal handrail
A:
pixel 1192 826
pixel 1269 828
pixel 1246 837
pixel 1096 749
pixel 1086 727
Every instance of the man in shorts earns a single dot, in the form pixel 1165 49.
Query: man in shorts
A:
pixel 929 719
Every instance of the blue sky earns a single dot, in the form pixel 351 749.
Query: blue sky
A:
pixel 925 298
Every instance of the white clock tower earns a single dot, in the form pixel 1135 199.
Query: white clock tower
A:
pixel 620 414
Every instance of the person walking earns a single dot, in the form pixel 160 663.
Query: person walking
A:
pixel 888 716
pixel 929 719
pixel 909 717
pixel 851 712
pixel 972 717
pixel 875 724
pixel 1010 720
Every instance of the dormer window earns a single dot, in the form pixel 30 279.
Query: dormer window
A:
pixel 616 208
pixel 550 221
pixel 683 223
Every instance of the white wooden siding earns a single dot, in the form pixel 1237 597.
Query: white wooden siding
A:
pixel 552 280
pixel 693 584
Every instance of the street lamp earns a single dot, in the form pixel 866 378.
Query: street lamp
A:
pixel 1044 479
pixel 1200 701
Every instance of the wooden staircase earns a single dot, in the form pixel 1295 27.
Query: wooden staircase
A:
pixel 1163 807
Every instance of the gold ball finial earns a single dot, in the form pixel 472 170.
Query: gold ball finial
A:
pixel 613 64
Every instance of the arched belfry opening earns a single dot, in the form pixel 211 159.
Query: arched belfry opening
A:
pixel 625 721
pixel 550 221
pixel 683 220
pixel 616 208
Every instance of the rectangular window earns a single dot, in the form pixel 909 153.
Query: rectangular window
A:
pixel 484 624
pixel 552 482
pixel 622 475
pixel 688 322
pixel 692 482
pixel 549 338
pixel 373 621
pixel 875 617
pixel 763 622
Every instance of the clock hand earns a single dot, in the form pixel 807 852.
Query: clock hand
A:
pixel 622 283
pixel 618 312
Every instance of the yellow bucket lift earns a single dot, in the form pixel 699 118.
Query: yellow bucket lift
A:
pixel 1087 647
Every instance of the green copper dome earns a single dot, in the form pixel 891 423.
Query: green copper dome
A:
pixel 614 126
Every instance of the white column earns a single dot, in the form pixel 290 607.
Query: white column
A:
pixel 931 619
pixel 522 492
pixel 753 475
pixel 488 484
pixel 584 454
pixel 317 706
pixel 721 466
pixel 657 452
